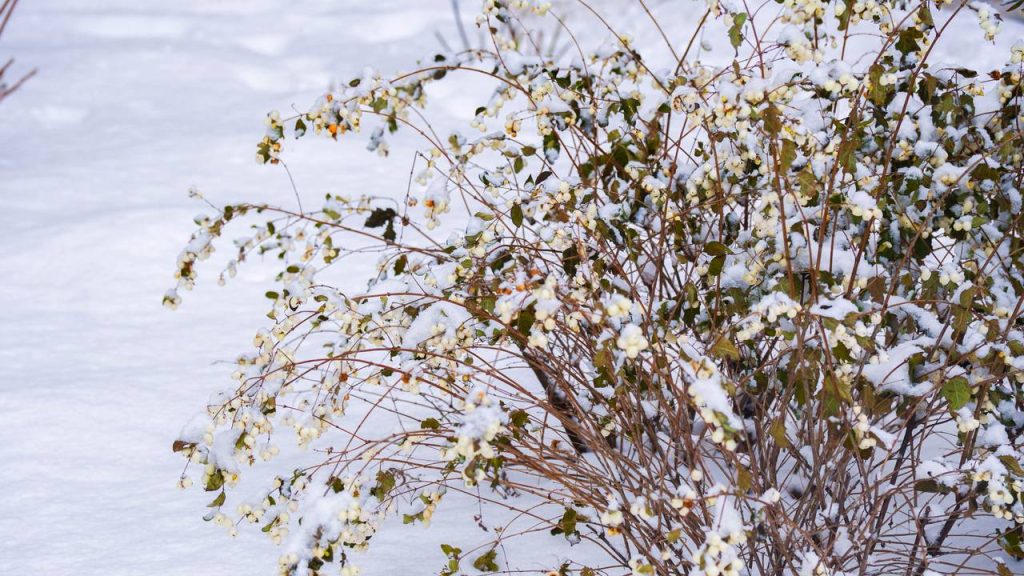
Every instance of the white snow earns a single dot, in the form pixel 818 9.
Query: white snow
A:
pixel 133 103
pixel 837 308
pixel 937 470
pixel 892 371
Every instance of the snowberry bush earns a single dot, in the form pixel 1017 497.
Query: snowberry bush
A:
pixel 760 315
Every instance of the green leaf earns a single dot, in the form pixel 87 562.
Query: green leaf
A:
pixel 844 18
pixel 724 348
pixel 379 217
pixel 1011 541
pixel 736 31
pixel 772 120
pixel 517 215
pixel 716 249
pixel 778 432
pixel 519 418
pixel 485 562
pixel 925 15
pixel 956 392
pixel 215 481
pixel 218 501
pixel 838 387
pixel 847 153
pixel 430 424
pixel 744 479
pixel 385 483
pixel 878 93
pixel 967 297
pixel 337 485
pixel 400 264
pixel 931 486
pixel 715 268
pixel 788 154
pixel 451 551
pixel 453 559
pixel 1012 465
pixel 567 525
pixel 908 40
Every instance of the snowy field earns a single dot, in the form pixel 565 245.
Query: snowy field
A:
pixel 133 103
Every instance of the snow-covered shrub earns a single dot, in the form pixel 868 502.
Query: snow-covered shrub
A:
pixel 760 316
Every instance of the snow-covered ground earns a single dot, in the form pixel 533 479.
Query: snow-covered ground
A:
pixel 134 102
